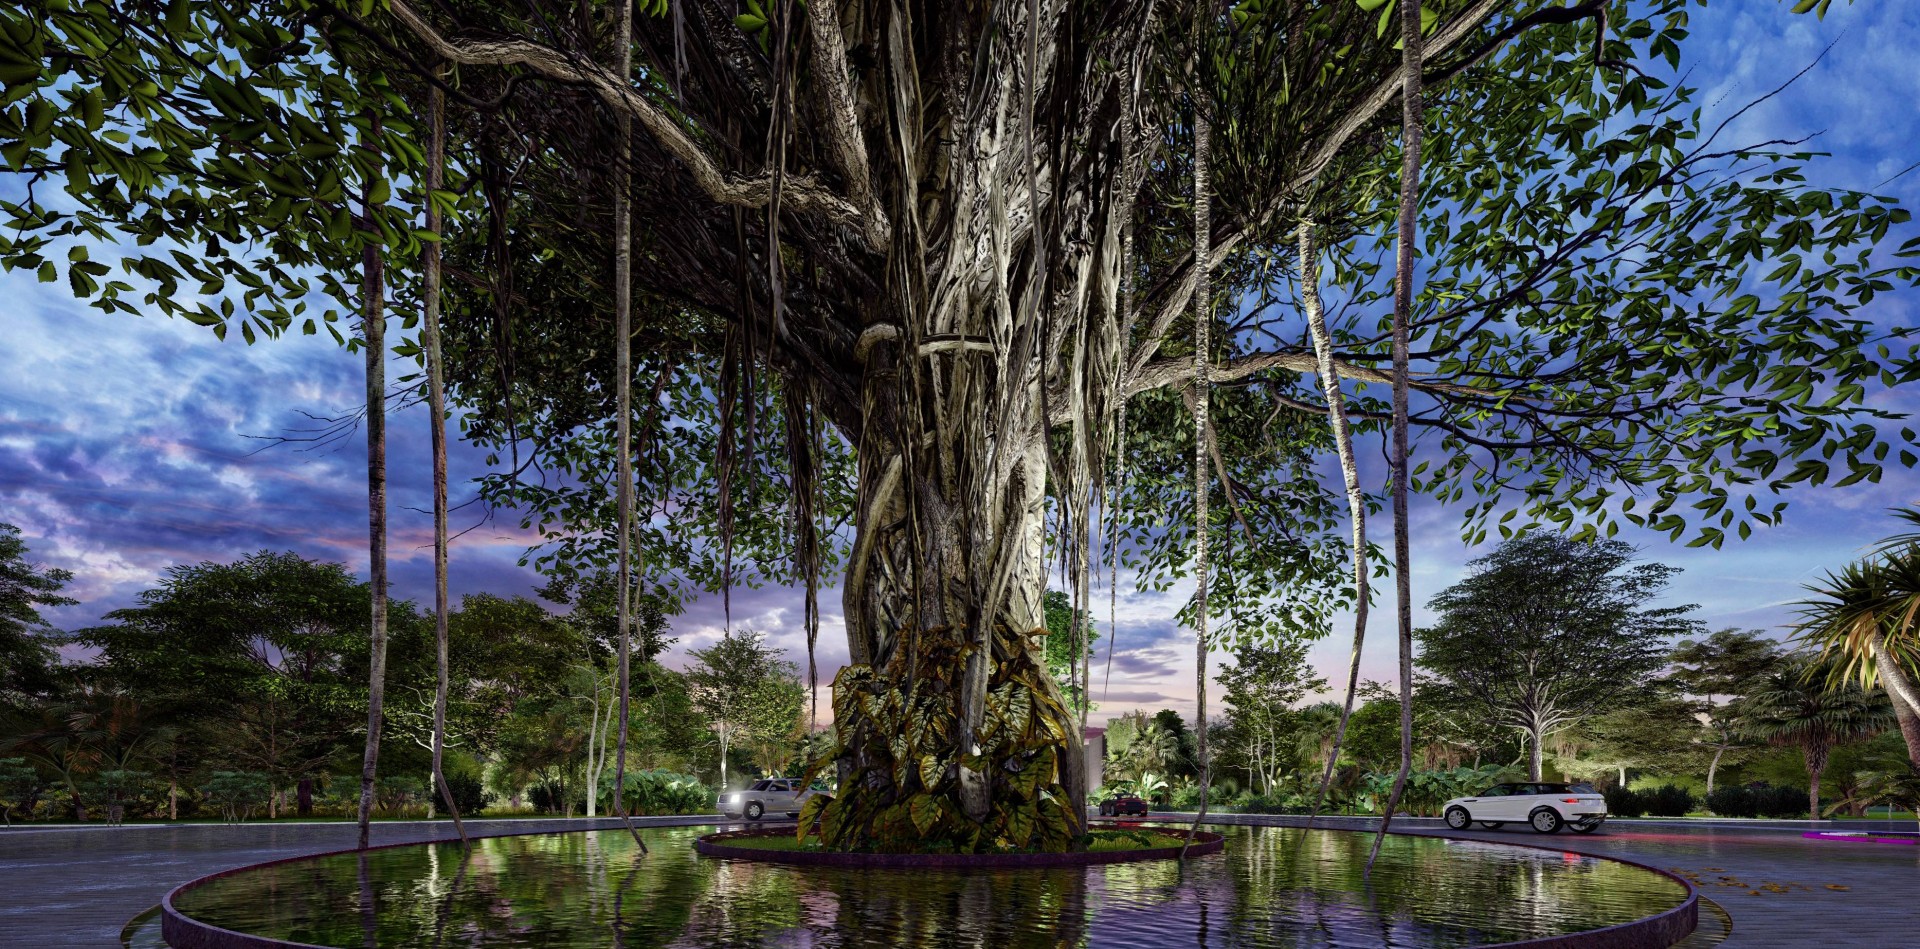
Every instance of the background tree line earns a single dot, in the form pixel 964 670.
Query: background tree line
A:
pixel 240 688
pixel 1553 659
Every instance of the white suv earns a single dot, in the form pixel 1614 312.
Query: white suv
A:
pixel 1546 807
pixel 767 795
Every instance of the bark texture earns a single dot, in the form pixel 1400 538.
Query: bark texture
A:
pixel 1350 480
pixel 373 325
pixel 437 412
pixel 1410 123
pixel 1202 427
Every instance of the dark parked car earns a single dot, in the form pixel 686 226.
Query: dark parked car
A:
pixel 1121 805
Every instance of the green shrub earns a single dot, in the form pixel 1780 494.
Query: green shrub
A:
pixel 1758 801
pixel 468 794
pixel 1782 803
pixel 237 793
pixel 19 785
pixel 1277 804
pixel 1427 790
pixel 552 797
pixel 659 791
pixel 1625 802
pixel 1667 800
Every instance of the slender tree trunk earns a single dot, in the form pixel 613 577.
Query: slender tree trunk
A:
pixel 1536 751
pixel 596 755
pixel 1816 765
pixel 437 409
pixel 623 368
pixel 1350 475
pixel 1713 768
pixel 1411 104
pixel 373 330
pixel 303 798
pixel 1909 721
pixel 1202 399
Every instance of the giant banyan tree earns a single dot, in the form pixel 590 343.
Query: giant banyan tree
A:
pixel 911 294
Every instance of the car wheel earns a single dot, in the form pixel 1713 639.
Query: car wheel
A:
pixel 1458 818
pixel 1587 826
pixel 1493 824
pixel 1546 820
pixel 754 810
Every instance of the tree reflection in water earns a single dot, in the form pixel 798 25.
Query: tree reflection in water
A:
pixel 1274 888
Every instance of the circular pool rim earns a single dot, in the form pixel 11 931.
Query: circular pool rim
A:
pixel 1658 931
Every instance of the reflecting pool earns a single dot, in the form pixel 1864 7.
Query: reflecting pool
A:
pixel 1273 887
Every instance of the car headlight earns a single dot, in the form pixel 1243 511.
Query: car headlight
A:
pixel 733 799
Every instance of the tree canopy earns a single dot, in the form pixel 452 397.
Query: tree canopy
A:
pixel 1547 630
pixel 27 656
pixel 918 289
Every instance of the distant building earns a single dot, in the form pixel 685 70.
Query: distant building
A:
pixel 1096 751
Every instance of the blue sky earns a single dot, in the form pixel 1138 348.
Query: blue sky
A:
pixel 127 444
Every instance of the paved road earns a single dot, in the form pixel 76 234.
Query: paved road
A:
pixel 79 886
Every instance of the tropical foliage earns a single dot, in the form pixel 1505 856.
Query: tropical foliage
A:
pixel 1797 707
pixel 903 789
pixel 1865 617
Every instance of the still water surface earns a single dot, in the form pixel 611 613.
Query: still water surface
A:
pixel 1274 887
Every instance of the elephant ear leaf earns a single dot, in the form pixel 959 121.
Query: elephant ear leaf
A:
pixel 925 811
pixel 833 821
pixel 809 812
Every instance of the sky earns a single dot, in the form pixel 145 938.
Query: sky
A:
pixel 129 445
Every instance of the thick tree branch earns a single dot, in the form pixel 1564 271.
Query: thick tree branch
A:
pixel 1170 371
pixel 1356 119
pixel 800 192
pixel 844 146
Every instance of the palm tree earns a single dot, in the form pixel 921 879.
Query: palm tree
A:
pixel 1154 748
pixel 1899 787
pixel 1801 706
pixel 1863 618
